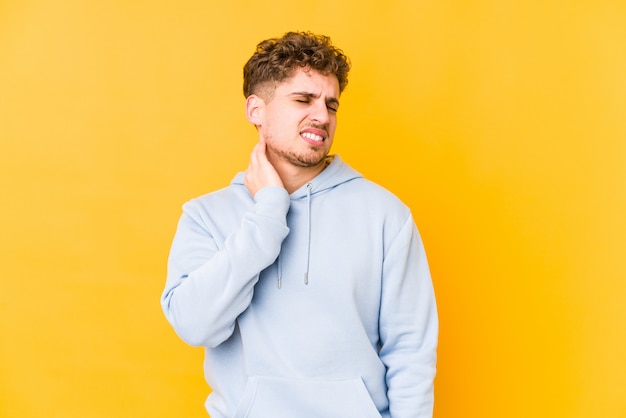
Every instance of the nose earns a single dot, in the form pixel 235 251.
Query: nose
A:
pixel 319 112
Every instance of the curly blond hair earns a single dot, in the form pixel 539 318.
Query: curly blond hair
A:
pixel 276 59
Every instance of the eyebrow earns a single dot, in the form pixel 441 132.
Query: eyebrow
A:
pixel 314 96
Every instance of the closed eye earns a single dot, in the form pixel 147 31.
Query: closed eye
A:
pixel 304 98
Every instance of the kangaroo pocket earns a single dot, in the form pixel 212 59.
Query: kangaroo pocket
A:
pixel 266 397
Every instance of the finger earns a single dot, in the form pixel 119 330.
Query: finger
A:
pixel 254 157
pixel 258 151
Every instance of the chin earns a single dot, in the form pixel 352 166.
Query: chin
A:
pixel 309 160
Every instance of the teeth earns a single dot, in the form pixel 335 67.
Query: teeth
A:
pixel 314 137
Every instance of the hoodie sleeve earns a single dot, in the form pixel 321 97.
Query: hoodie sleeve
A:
pixel 408 326
pixel 210 284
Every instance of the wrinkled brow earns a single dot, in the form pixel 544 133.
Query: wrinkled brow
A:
pixel 330 100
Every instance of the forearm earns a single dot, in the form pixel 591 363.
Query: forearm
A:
pixel 210 283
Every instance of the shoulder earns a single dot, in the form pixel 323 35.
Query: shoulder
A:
pixel 358 187
pixel 227 201
pixel 367 191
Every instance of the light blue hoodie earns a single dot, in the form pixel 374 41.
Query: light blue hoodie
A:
pixel 316 304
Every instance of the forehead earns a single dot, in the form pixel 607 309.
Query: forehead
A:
pixel 310 81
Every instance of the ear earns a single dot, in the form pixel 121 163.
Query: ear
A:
pixel 254 109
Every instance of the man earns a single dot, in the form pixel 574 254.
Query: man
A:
pixel 307 284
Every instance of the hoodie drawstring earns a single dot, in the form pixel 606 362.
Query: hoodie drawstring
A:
pixel 309 187
pixel 280 272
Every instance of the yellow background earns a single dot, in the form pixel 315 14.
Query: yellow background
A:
pixel 501 123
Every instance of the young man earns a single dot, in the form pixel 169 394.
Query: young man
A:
pixel 307 284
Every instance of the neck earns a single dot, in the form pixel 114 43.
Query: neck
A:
pixel 294 177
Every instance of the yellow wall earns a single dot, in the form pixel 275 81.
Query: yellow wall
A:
pixel 501 123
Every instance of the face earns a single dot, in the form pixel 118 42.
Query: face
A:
pixel 298 122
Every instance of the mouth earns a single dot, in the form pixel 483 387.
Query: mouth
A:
pixel 313 136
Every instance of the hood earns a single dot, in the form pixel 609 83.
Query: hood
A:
pixel 335 174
